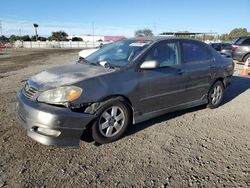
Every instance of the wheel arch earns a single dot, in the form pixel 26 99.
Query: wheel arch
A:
pixel 109 98
pixel 243 58
pixel 123 99
pixel 223 81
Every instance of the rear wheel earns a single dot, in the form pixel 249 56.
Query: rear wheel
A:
pixel 215 95
pixel 112 122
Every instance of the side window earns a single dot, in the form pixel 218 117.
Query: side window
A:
pixel 246 42
pixel 227 46
pixel 166 53
pixel 195 52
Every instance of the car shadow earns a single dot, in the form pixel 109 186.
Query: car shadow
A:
pixel 143 125
pixel 239 85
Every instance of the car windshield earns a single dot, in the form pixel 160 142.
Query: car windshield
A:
pixel 119 53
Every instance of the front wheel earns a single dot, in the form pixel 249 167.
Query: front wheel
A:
pixel 215 95
pixel 112 122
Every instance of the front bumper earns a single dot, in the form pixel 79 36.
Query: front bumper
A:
pixel 32 115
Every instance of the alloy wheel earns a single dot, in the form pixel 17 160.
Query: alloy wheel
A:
pixel 111 121
pixel 216 95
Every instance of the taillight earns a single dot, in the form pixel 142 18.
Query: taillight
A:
pixel 234 47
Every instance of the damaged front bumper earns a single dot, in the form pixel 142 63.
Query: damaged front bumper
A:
pixel 51 125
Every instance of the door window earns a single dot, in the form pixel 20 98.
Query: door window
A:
pixel 166 53
pixel 195 52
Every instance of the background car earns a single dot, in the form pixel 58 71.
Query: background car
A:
pixel 241 49
pixel 86 52
pixel 224 49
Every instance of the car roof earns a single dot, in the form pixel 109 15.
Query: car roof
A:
pixel 160 38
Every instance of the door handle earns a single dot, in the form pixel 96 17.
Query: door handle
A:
pixel 181 71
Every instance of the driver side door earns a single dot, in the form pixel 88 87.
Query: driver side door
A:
pixel 164 87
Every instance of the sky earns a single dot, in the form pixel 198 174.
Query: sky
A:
pixel 122 17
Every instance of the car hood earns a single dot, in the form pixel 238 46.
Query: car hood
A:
pixel 67 75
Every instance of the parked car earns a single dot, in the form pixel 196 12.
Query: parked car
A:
pixel 86 52
pixel 125 83
pixel 224 49
pixel 241 49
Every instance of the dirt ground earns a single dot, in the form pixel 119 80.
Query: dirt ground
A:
pixel 198 147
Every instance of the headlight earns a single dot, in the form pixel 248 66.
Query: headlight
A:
pixel 60 95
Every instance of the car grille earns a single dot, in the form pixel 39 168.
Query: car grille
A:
pixel 29 91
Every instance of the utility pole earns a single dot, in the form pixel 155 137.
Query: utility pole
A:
pixel 20 32
pixel 1 29
pixel 155 33
pixel 93 32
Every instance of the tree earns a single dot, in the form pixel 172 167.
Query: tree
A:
pixel 33 38
pixel 144 33
pixel 25 38
pixel 4 39
pixel 77 39
pixel 237 32
pixel 14 38
pixel 36 26
pixel 42 38
pixel 59 36
pixel 234 34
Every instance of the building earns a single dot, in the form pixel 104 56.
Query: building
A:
pixel 97 38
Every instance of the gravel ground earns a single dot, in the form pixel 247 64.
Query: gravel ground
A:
pixel 198 147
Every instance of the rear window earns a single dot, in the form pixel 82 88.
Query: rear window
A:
pixel 195 52
pixel 242 41
pixel 246 42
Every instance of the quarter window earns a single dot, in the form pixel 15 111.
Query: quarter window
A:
pixel 195 52
pixel 166 53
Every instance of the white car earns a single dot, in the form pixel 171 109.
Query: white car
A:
pixel 87 52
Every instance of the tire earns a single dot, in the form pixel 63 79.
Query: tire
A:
pixel 215 95
pixel 246 57
pixel 112 122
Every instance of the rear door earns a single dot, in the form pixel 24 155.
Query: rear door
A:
pixel 199 66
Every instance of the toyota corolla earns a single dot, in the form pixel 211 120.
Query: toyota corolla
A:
pixel 122 84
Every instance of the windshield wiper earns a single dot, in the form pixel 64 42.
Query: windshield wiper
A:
pixel 83 60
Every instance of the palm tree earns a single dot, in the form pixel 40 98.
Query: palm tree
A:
pixel 36 26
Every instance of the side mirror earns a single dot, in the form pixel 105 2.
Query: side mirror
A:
pixel 150 64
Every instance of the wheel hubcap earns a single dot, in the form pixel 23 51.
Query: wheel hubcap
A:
pixel 111 121
pixel 216 95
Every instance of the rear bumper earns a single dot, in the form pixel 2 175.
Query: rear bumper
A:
pixel 237 55
pixel 33 115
